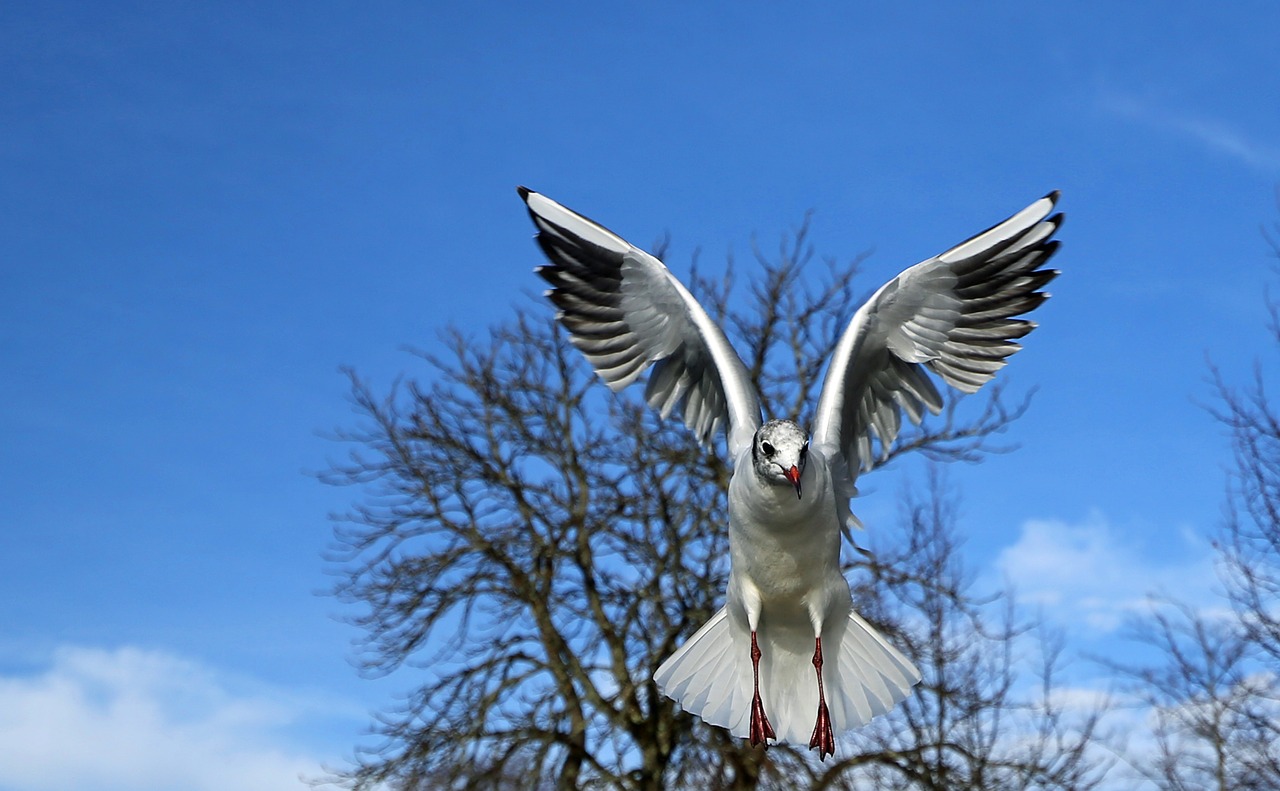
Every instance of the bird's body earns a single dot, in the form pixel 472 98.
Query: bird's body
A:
pixel 788 657
pixel 785 585
pixel 782 547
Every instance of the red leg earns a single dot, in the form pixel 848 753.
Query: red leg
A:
pixel 823 738
pixel 760 727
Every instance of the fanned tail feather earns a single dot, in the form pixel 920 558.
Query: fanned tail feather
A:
pixel 711 676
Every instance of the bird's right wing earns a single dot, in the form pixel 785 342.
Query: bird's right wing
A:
pixel 626 312
pixel 956 314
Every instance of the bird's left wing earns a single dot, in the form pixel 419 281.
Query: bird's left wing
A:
pixel 626 312
pixel 955 314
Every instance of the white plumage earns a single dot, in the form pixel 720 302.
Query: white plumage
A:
pixel 788 658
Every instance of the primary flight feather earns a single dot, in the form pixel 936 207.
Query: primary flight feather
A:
pixel 788 649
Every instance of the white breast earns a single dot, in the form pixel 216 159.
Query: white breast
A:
pixel 783 545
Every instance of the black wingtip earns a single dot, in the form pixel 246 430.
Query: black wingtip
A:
pixel 524 193
pixel 1053 196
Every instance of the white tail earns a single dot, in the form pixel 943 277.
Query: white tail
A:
pixel 710 675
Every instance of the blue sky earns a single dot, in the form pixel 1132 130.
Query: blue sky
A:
pixel 205 211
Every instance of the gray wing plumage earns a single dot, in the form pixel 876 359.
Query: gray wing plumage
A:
pixel 955 314
pixel 627 314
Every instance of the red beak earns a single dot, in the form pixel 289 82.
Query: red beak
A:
pixel 793 475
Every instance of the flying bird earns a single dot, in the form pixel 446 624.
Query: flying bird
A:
pixel 788 649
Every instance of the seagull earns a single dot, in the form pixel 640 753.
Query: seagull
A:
pixel 788 648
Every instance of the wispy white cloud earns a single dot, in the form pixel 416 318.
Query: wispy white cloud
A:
pixel 1211 133
pixel 137 719
pixel 1089 578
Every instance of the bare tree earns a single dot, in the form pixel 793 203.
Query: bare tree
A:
pixel 1250 542
pixel 530 547
pixel 1212 713
pixel 1250 545
pixel 1213 685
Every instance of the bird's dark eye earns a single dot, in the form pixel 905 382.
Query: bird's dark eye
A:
pixel 767 448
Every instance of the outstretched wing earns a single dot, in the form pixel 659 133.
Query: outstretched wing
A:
pixel 627 313
pixel 955 314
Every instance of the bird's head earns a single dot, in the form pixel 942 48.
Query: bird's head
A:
pixel 780 451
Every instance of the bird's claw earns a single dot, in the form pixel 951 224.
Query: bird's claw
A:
pixel 761 729
pixel 823 739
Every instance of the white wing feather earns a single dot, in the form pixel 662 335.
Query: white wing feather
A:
pixel 954 314
pixel 628 314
